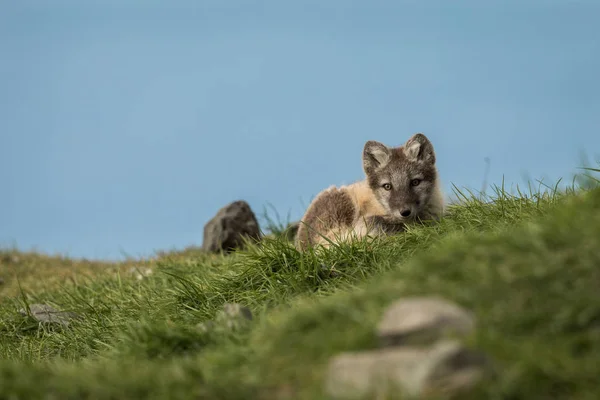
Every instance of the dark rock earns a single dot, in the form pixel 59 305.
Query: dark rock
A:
pixel 47 314
pixel 228 228
pixel 7 258
pixel 327 272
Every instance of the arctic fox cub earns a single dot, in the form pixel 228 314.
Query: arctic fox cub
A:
pixel 401 187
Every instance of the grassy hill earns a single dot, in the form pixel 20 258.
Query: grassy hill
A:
pixel 528 266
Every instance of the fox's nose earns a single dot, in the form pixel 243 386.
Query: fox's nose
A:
pixel 405 213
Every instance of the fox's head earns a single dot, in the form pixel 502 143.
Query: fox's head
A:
pixel 403 178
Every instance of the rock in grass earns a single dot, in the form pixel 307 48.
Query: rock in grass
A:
pixel 236 310
pixel 227 229
pixel 8 258
pixel 327 272
pixel 445 368
pixel 233 316
pixel 140 273
pixel 422 320
pixel 48 314
pixel 1 280
pixel 205 326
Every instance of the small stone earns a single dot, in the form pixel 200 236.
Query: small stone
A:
pixel 445 368
pixel 422 320
pixel 227 230
pixel 140 273
pixel 205 326
pixel 327 272
pixel 47 314
pixel 1 280
pixel 234 315
pixel 7 258
pixel 235 310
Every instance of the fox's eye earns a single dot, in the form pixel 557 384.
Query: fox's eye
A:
pixel 415 182
pixel 387 186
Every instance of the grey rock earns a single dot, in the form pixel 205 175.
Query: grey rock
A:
pixel 422 320
pixel 233 316
pixel 353 375
pixel 445 368
pixel 48 314
pixel 205 326
pixel 1 280
pixel 236 310
pixel 140 273
pixel 226 230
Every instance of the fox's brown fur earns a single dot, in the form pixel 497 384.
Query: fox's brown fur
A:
pixel 401 186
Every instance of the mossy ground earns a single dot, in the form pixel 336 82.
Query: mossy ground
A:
pixel 528 266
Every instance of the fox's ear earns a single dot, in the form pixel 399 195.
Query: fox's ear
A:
pixel 419 148
pixel 375 155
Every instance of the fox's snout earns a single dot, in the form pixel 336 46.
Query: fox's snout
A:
pixel 405 212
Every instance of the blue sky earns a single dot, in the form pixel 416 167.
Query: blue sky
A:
pixel 124 126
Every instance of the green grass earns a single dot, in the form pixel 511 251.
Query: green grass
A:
pixel 527 265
